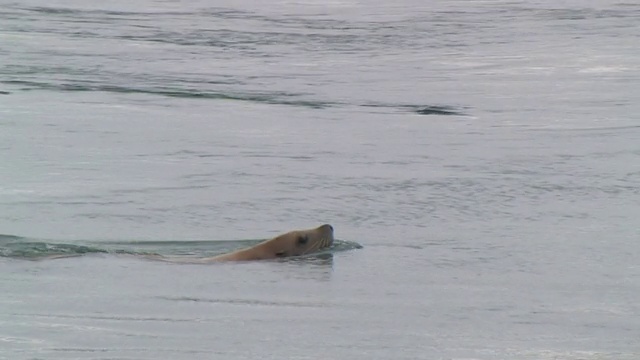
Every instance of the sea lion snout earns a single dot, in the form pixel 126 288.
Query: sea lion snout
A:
pixel 327 234
pixel 327 226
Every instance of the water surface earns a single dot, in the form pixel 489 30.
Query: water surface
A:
pixel 485 154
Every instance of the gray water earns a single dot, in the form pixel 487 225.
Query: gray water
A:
pixel 485 154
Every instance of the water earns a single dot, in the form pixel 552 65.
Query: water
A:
pixel 485 154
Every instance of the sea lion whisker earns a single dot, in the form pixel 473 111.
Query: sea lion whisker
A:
pixel 316 246
pixel 311 248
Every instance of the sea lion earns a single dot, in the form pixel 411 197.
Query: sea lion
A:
pixel 293 243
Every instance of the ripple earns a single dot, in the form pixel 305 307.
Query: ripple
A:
pixel 250 302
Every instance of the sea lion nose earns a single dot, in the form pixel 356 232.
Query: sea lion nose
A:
pixel 330 227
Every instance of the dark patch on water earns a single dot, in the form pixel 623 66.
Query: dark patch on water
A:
pixel 421 109
pixel 4 92
pixel 437 110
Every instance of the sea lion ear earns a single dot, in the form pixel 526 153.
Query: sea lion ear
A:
pixel 303 239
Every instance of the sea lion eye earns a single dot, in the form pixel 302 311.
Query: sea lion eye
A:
pixel 303 239
pixel 281 254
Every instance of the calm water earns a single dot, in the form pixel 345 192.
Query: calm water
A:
pixel 485 154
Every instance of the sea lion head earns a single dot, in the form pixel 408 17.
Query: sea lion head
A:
pixel 300 242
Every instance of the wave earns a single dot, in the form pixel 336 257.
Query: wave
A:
pixel 278 98
pixel 274 98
